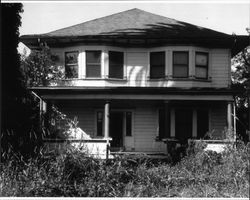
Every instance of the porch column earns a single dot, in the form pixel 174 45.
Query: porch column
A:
pixel 229 115
pixel 172 126
pixel 167 120
pixel 106 119
pixel 194 130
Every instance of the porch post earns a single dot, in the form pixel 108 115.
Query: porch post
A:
pixel 166 110
pixel 234 108
pixel 106 126
pixel 229 116
pixel 106 119
pixel 172 126
pixel 194 130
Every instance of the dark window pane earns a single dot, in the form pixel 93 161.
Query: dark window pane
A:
pixel 201 72
pixel 157 65
pixel 93 71
pixel 202 122
pixel 180 58
pixel 180 64
pixel 128 123
pixel 180 71
pixel 201 62
pixel 71 64
pixel 201 59
pixel 93 64
pixel 99 123
pixel 116 64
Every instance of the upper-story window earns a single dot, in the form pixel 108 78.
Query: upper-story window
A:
pixel 93 64
pixel 201 65
pixel 116 60
pixel 180 64
pixel 157 64
pixel 71 64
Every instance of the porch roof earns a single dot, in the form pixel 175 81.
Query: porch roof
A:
pixel 153 93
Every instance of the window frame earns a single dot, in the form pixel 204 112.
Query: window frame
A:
pixel 202 66
pixel 187 65
pixel 151 66
pixel 122 66
pixel 75 64
pixel 86 65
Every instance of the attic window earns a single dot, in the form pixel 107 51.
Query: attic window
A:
pixel 93 64
pixel 180 64
pixel 71 64
pixel 157 65
pixel 116 64
pixel 201 65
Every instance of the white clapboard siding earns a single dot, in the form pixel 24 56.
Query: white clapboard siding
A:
pixel 218 120
pixel 137 64
pixel 85 115
pixel 145 128
pixel 220 67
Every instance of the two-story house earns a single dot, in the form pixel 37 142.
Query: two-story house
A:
pixel 142 79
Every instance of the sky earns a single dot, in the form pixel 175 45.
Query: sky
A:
pixel 224 17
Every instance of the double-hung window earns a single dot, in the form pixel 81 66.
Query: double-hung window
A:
pixel 157 65
pixel 71 64
pixel 116 60
pixel 201 65
pixel 180 64
pixel 93 64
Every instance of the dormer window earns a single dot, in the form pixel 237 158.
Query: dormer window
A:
pixel 201 65
pixel 116 60
pixel 157 65
pixel 93 64
pixel 180 64
pixel 71 64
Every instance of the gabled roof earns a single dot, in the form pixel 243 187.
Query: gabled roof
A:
pixel 132 24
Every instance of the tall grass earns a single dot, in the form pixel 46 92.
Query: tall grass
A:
pixel 199 174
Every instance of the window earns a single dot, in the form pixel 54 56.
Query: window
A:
pixel 201 65
pixel 115 64
pixel 93 64
pixel 99 121
pixel 180 64
pixel 157 64
pixel 128 123
pixel 71 64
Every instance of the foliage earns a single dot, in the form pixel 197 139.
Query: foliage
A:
pixel 200 174
pixel 39 67
pixel 241 75
pixel 19 109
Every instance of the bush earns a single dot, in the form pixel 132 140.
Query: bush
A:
pixel 199 174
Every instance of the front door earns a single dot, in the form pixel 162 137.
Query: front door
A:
pixel 116 129
pixel 183 124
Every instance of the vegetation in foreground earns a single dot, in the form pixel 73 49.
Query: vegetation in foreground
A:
pixel 199 174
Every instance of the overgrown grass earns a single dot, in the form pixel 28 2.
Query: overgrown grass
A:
pixel 199 174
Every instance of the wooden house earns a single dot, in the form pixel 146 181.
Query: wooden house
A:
pixel 137 80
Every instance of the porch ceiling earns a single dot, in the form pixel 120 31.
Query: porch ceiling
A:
pixel 136 93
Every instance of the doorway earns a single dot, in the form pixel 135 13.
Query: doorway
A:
pixel 116 129
pixel 183 124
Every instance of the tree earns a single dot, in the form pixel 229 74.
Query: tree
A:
pixel 19 108
pixel 241 82
pixel 39 68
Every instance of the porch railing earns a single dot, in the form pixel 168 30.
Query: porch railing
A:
pixel 96 147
